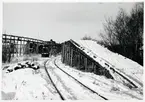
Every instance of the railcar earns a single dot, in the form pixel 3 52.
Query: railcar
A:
pixel 45 51
pixel 51 48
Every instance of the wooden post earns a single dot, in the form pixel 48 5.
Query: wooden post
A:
pixel 65 54
pixel 69 55
pixel 83 63
pixel 72 56
pixel 14 47
pixel 17 47
pixel 5 45
pixel 85 60
pixel 93 66
pixel 95 70
pixel 20 46
pixel 36 46
pixel 10 49
pixel 79 60
pixel 62 54
pixel 76 59
pixel 23 46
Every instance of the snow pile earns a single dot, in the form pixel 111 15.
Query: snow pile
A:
pixel 106 58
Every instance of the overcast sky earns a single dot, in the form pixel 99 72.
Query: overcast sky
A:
pixel 58 21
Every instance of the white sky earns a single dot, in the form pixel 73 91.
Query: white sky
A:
pixel 58 21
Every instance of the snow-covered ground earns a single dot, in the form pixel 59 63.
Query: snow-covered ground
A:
pixel 27 84
pixel 127 67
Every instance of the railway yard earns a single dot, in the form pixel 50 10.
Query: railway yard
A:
pixel 72 70
pixel 57 81
pixel 72 51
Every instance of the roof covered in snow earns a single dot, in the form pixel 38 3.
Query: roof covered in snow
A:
pixel 121 63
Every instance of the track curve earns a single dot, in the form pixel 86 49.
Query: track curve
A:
pixel 79 82
pixel 61 96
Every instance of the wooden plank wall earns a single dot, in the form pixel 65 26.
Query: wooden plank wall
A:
pixel 74 57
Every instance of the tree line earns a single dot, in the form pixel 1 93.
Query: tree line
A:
pixel 124 34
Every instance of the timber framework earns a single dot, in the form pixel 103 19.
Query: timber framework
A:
pixel 75 57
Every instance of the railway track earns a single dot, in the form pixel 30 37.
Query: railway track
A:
pixel 58 89
pixel 61 96
pixel 80 82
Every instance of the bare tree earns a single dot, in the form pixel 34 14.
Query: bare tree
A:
pixel 125 33
pixel 86 38
pixel 109 38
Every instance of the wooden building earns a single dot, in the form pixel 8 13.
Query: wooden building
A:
pixel 75 57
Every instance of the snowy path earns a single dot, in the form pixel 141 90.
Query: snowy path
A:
pixel 68 86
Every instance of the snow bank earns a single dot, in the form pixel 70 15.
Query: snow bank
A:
pixel 122 64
